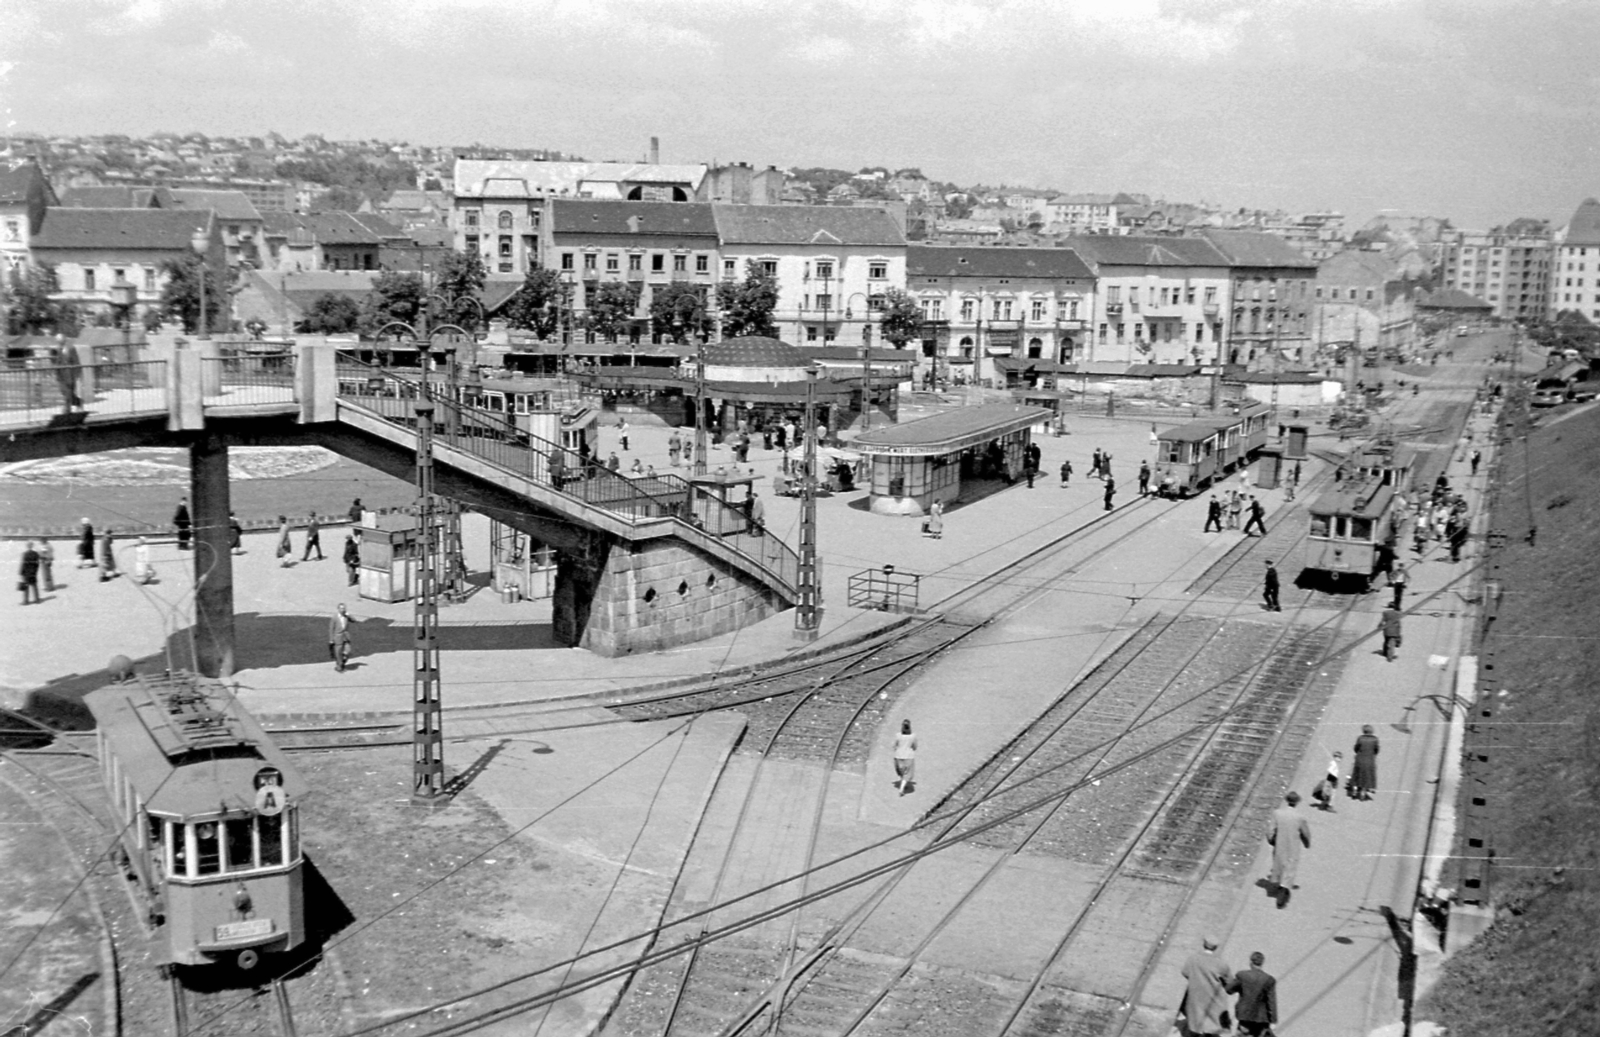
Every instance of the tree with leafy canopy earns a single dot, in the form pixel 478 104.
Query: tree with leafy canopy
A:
pixel 459 285
pixel 747 305
pixel 679 311
pixel 396 296
pixel 611 308
pixel 180 296
pixel 899 318
pixel 331 314
pixel 28 306
pixel 536 306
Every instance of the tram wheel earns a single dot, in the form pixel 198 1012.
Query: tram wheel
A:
pixel 248 959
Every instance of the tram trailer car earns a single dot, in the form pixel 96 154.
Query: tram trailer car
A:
pixel 1352 526
pixel 210 817
pixel 1197 454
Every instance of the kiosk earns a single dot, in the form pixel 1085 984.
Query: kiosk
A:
pixel 719 501
pixel 927 460
pixel 390 547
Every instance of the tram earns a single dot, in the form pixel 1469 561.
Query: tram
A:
pixel 209 812
pixel 1190 457
pixel 1352 532
pixel 1385 460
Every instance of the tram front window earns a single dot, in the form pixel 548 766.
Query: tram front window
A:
pixel 207 848
pixel 271 829
pixel 1319 526
pixel 1360 528
pixel 1341 527
pixel 240 843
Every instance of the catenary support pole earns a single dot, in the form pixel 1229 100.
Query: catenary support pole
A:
pixel 213 557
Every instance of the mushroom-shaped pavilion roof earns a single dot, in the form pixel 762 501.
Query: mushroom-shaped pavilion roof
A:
pixel 754 351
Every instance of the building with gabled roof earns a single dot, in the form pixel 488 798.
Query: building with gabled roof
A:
pixel 833 264
pixel 1509 267
pixel 981 305
pixel 1575 279
pixel 1270 297
pixel 25 194
pixel 318 241
pixel 1159 300
pixel 1363 300
pixel 91 249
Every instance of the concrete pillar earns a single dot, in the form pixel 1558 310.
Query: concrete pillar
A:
pixel 577 579
pixel 213 561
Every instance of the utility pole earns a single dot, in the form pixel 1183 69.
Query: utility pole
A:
pixel 700 404
pixel 427 715
pixel 808 614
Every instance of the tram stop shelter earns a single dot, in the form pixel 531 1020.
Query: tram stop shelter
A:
pixel 931 459
pixel 719 501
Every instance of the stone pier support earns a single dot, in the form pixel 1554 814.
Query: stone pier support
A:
pixel 213 558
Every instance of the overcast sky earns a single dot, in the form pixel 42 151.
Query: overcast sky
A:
pixel 1479 110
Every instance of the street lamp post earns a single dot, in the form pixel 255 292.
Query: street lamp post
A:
pixel 808 614
pixel 124 297
pixel 201 243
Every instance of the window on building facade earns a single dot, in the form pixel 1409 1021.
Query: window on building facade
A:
pixel 635 261
pixel 149 279
pixel 1114 295
pixel 472 243
pixel 504 220
pixel 825 301
pixel 728 269
pixel 933 309
pixel 680 263
pixel 968 308
pixel 966 345
pixel 877 271
pixel 1211 295
pixel 13 230
pixel 769 267
pixel 472 217
pixel 1188 295
pixel 811 332
pixel 505 246
pixel 88 279
pixel 1199 333
pixel 590 260
pixel 613 263
pixel 1037 313
pixel 1072 309
pixel 702 264
pixel 1122 332
pixel 566 260
pixel 824 270
pixel 1103 329
pixel 1369 294
pixel 658 263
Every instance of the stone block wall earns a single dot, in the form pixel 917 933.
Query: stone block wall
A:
pixel 661 594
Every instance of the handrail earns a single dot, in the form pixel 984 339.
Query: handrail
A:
pixel 494 437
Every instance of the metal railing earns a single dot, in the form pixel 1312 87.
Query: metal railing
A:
pixel 884 590
pixel 492 436
pixel 74 393
pixel 248 381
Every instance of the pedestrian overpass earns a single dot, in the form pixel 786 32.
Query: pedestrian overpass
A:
pixel 641 564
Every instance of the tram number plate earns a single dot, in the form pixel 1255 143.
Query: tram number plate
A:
pixel 244 930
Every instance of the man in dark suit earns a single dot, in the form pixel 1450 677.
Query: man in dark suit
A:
pixel 1213 515
pixel 1257 1007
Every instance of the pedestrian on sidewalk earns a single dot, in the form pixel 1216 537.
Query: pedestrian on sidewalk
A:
pixel 905 759
pixel 235 534
pixel 1269 589
pixel 86 545
pixel 28 575
pixel 614 463
pixel 1213 515
pixel 1458 538
pixel 339 638
pixel 1204 1009
pixel 1289 833
pixel 1398 577
pixel 1066 473
pixel 1235 507
pixel 1257 1007
pixel 1389 625
pixel 1364 775
pixel 108 557
pixel 143 571
pixel 933 525
pixel 1105 464
pixel 757 511
pixel 1324 792
pixel 180 519
pixel 285 547
pixel 622 433
pixel 1257 516
pixel 1144 478
pixel 1094 465
pixel 352 558
pixel 1477 455
pixel 47 566
pixel 355 512
pixel 1111 491
pixel 313 539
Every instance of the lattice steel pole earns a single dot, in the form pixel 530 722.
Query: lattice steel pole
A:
pixel 427 716
pixel 808 616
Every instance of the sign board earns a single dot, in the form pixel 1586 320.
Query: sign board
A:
pixel 270 800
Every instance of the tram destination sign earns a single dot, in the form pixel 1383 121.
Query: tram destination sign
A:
pixel 244 930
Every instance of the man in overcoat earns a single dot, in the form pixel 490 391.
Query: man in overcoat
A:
pixel 1205 995
pixel 1288 834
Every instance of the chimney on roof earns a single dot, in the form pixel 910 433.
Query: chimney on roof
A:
pixel 655 151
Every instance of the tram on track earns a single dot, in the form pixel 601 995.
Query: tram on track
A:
pixel 1190 457
pixel 1390 462
pixel 1352 534
pixel 209 812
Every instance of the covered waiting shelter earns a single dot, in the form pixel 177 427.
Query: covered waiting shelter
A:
pixel 919 462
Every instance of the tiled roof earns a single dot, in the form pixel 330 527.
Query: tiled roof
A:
pixel 1451 299
pixel 960 261
pixel 325 228
pixel 1257 248
pixel 589 216
pixel 16 182
pixel 494 178
pixel 805 225
pixel 754 351
pixel 163 229
pixel 1374 266
pixel 377 225
pixel 1109 250
pixel 1585 226
pixel 106 196
pixel 228 205
pixel 953 426
pixel 495 294
pixel 1161 371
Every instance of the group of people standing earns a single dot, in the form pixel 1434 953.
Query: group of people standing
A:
pixel 1232 509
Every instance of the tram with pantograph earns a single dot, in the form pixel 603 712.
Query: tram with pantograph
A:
pixel 1352 534
pixel 209 815
pixel 1190 457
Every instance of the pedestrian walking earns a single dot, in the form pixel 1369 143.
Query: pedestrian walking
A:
pixel 1398 578
pixel 108 557
pixel 1094 466
pixel 1029 470
pixel 28 575
pixel 47 566
pixel 622 434
pixel 181 520
pixel 1111 491
pixel 1257 516
pixel 757 511
pixel 143 571
pixel 933 525
pixel 1204 1009
pixel 1389 625
pixel 313 539
pixel 614 463
pixel 822 434
pixel 786 435
pixel 1105 464
pixel 352 559
pixel 86 544
pixel 1329 785
pixel 1213 515
pixel 1066 473
pixel 339 638
pixel 355 512
pixel 1477 455
pixel 1257 1007
pixel 285 547
pixel 766 437
pixel 1290 832
pixel 1269 589
pixel 1458 539
pixel 905 759
pixel 1364 773
pixel 1144 478
pixel 557 460
pixel 1235 508
pixel 235 534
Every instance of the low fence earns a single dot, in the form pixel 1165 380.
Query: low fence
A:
pixel 885 590
pixel 73 393
pixel 246 381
